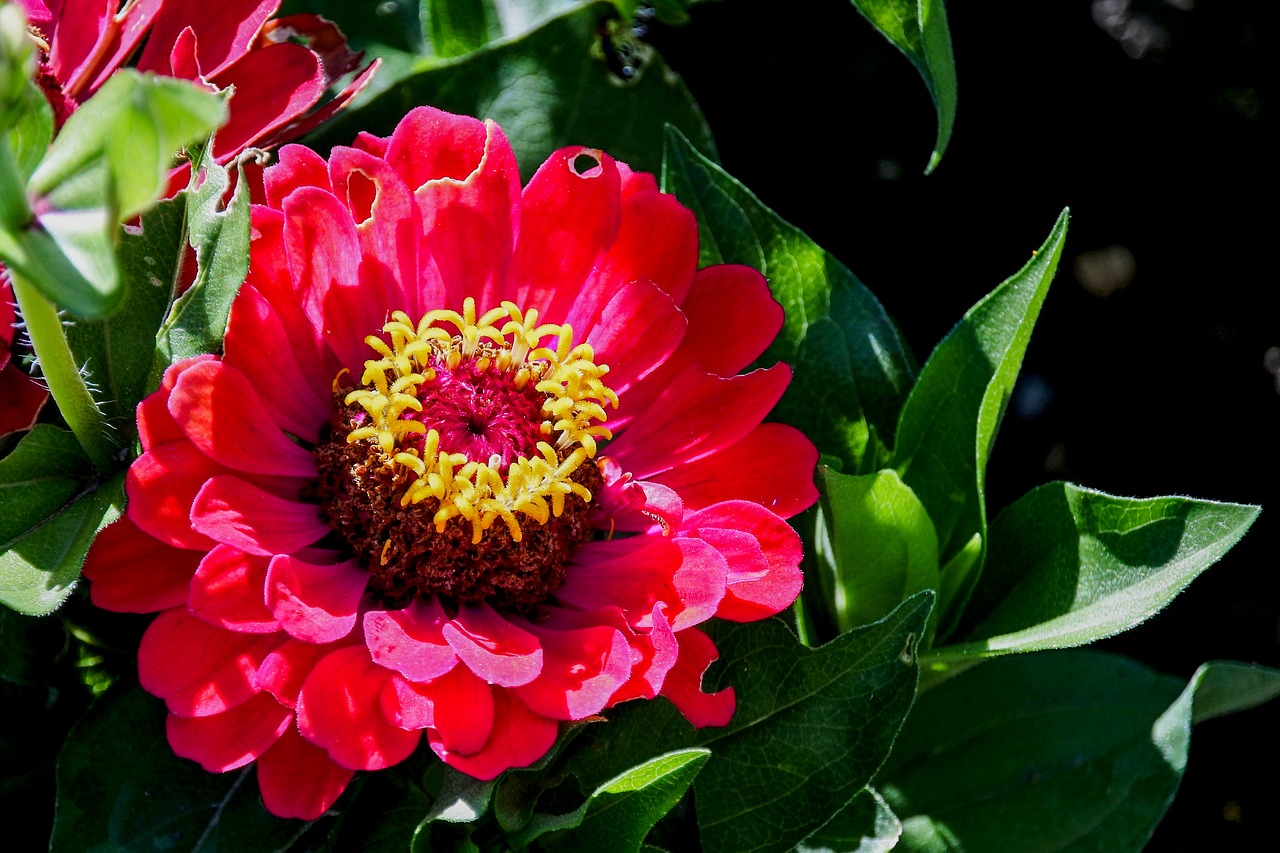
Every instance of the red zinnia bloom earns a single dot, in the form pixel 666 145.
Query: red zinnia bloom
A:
pixel 476 462
pixel 279 68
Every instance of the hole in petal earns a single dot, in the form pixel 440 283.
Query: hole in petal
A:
pixel 362 194
pixel 586 165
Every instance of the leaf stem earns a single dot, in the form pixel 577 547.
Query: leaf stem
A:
pixel 62 375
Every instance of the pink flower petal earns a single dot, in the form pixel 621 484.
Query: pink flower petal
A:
pixel 285 669
pixel 339 711
pixel 131 572
pixel 258 346
pixel 21 398
pixel 683 685
pixel 222 742
pixel 653 655
pixel 493 648
pixel 411 641
pixel 162 484
pixel 298 166
pixel 570 213
pixel 317 604
pixel 198 669
pixel 758 587
pixel 462 710
pixel 735 297
pixel 155 425
pixel 773 465
pixel 639 328
pixel 298 779
pixel 81 25
pixel 697 415
pixel 582 668
pixel 221 411
pixel 227 591
pixel 233 511
pixel 272 87
pixel 520 737
pixel 225 31
pixel 467 186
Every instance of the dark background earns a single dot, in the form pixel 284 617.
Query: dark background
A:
pixel 1149 371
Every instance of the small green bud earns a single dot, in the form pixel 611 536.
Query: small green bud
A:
pixel 17 60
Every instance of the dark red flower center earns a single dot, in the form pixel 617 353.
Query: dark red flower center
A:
pixel 463 465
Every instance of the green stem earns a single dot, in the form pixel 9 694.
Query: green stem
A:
pixel 62 375
pixel 15 213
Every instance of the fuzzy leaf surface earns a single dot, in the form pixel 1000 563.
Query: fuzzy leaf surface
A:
pixel 950 420
pixel 1069 566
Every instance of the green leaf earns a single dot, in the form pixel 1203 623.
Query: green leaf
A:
pixel 950 420
pixel 1063 751
pixel 619 814
pixel 919 29
pixel 851 371
pixel 50 511
pixel 811 727
pixel 121 788
pixel 198 320
pixel 133 127
pixel 116 353
pixel 884 548
pixel 382 809
pixel 1225 687
pixel 866 825
pixel 30 135
pixel 1068 566
pixel 548 88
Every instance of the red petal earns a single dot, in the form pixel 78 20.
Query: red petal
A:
pixel 220 410
pixel 653 656
pixel 273 86
pixel 756 589
pixel 298 779
pixel 324 257
pixel 683 685
pixel 198 669
pixel 638 330
pixel 137 20
pixel 339 711
pixel 317 604
pixel 733 318
pixel 465 180
pixel 772 466
pixel 258 346
pixel 231 510
pixel 296 166
pixel 493 648
pixel 520 737
pixel 223 742
pixel 131 572
pixel 570 213
pixel 227 591
pixel 162 484
pixel 286 667
pixel 21 398
pixel 697 415
pixel 462 710
pixel 411 641
pixel 155 425
pixel 225 31
pixel 78 27
pixel 581 669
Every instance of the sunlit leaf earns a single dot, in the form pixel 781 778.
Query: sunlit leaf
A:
pixel 866 825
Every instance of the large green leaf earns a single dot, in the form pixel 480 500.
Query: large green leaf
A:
pixel 919 29
pixel 197 321
pixel 951 418
pixel 852 372
pixel 548 88
pixel 51 507
pixel 1068 566
pixel 32 130
pixel 883 546
pixel 619 814
pixel 866 825
pixel 1063 751
pixel 121 788
pixel 811 727
pixel 116 353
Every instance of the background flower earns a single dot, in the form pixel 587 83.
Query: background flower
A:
pixel 344 552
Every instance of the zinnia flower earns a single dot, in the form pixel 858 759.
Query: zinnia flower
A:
pixel 279 69
pixel 476 463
